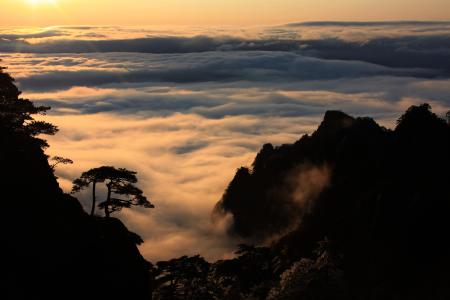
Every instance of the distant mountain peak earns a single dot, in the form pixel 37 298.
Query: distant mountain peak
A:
pixel 334 121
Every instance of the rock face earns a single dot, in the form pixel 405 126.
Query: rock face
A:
pixel 384 205
pixel 51 249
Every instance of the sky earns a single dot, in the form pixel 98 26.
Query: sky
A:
pixel 214 12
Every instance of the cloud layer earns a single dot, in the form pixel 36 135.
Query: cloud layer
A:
pixel 391 44
pixel 185 107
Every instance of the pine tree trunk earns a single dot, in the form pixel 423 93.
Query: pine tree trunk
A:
pixel 108 200
pixel 94 183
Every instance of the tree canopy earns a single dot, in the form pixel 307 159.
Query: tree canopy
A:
pixel 121 191
pixel 16 113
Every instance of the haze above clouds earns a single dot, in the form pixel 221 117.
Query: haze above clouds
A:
pixel 218 12
pixel 185 107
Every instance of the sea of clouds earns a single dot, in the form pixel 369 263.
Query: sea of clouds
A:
pixel 187 106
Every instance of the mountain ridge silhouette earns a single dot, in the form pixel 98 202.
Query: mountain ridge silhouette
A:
pixel 51 248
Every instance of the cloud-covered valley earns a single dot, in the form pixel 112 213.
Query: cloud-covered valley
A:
pixel 186 107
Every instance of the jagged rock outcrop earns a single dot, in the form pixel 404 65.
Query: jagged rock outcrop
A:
pixel 384 207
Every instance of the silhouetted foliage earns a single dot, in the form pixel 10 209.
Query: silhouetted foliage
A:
pixel 320 277
pixel 184 278
pixel 92 176
pixel 59 160
pixel 248 276
pixel 119 182
pixel 16 114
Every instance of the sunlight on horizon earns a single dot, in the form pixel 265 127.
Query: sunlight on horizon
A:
pixel 219 12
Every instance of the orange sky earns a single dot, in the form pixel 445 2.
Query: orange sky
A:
pixel 213 12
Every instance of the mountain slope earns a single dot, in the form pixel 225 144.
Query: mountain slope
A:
pixel 51 248
pixel 380 197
